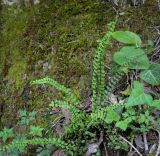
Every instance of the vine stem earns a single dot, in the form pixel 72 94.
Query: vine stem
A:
pixel 130 145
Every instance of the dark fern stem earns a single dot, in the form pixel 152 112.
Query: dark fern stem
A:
pixel 111 85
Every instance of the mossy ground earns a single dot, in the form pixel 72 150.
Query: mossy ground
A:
pixel 58 39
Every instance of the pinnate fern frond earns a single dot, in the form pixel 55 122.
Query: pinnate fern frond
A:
pixel 39 141
pixel 63 104
pixel 111 85
pixel 98 77
pixel 77 125
pixel 100 115
pixel 72 98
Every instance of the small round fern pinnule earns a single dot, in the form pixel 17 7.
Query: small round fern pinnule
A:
pixel 98 77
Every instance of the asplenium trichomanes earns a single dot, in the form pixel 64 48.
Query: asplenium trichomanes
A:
pixel 131 56
pixel 79 118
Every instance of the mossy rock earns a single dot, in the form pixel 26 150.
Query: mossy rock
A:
pixel 58 39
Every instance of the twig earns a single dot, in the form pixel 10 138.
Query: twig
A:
pixel 158 149
pixel 145 142
pixel 105 149
pixel 101 138
pixel 131 145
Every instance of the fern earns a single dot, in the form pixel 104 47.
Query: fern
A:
pixel 102 114
pixel 98 78
pixel 62 104
pixel 77 115
pixel 77 124
pixel 40 141
pixel 81 120
pixel 95 118
pixel 72 98
pixel 110 86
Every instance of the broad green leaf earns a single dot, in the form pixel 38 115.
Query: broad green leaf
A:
pixel 151 75
pixel 156 104
pixel 36 131
pixel 138 97
pixel 122 124
pixel 127 37
pixel 112 116
pixel 132 58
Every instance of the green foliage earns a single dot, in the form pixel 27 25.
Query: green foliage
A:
pixel 36 131
pixel 155 104
pixel 131 119
pixel 127 37
pixel 63 104
pixel 111 85
pixel 39 141
pixel 98 77
pixel 17 150
pixel 44 150
pixel 151 75
pixel 145 118
pixel 132 58
pixel 135 57
pixel 127 117
pixel 112 119
pixel 26 118
pixel 138 96
pixel 19 142
pixel 6 133
pixel 72 98
pixel 112 116
pixel 123 125
pixel 116 143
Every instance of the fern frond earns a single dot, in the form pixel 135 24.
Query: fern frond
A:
pixel 77 116
pixel 62 104
pixel 98 77
pixel 99 116
pixel 96 118
pixel 39 141
pixel 72 98
pixel 77 124
pixel 111 85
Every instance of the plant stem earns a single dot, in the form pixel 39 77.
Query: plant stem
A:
pixel 131 145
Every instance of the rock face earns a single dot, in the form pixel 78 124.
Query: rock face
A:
pixel 19 2
pixel 57 38
pixel 134 3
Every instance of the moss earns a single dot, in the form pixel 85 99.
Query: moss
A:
pixel 142 20
pixel 17 72
pixel 64 35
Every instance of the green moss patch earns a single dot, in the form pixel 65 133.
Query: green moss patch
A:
pixel 58 39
